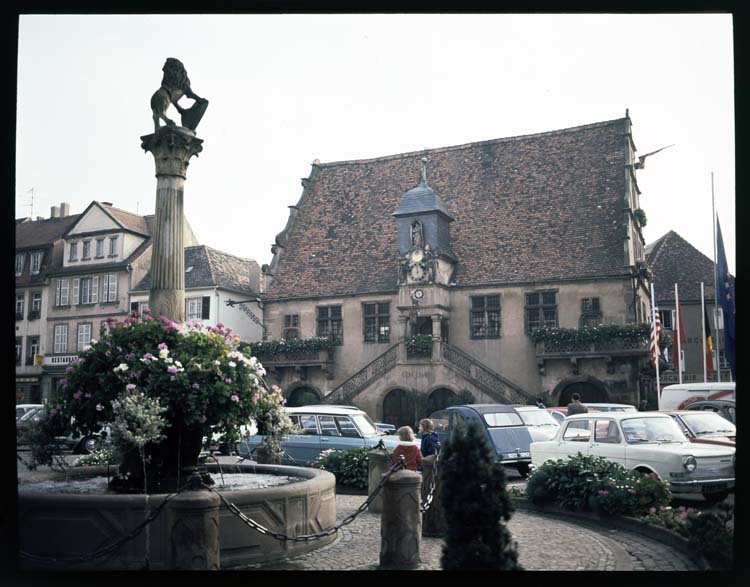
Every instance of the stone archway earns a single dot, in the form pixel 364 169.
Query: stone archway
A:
pixel 303 395
pixel 399 408
pixel 440 398
pixel 589 388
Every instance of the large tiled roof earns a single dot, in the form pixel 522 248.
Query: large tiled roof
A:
pixel 674 260
pixel 211 268
pixel 40 233
pixel 129 220
pixel 538 207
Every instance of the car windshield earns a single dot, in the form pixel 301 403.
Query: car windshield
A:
pixel 498 419
pixel 644 430
pixel 538 418
pixel 709 423
pixel 366 426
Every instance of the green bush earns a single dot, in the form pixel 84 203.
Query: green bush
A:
pixel 350 467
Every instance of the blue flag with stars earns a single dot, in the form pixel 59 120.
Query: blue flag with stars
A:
pixel 725 295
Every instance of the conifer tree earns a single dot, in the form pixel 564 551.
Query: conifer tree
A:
pixel 476 505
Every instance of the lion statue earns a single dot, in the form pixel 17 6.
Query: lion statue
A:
pixel 174 85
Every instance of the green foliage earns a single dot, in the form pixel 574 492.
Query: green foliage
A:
pixel 350 467
pixel 591 482
pixel 634 334
pixel 267 349
pixel 44 437
pixel 711 535
pixel 104 456
pixel 475 505
pixel 419 344
pixel 640 215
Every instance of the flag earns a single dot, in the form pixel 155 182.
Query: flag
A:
pixel 725 295
pixel 709 344
pixel 655 334
pixel 679 330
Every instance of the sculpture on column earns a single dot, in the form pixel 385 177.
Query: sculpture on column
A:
pixel 174 85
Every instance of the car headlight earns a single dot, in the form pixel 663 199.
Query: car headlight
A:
pixel 689 463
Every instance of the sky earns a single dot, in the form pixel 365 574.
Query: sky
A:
pixel 285 90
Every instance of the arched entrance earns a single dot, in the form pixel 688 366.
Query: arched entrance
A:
pixel 439 399
pixel 589 388
pixel 303 396
pixel 399 408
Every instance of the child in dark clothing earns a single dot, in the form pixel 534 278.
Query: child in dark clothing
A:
pixel 430 442
pixel 408 448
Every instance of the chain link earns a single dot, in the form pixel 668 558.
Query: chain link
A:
pixel 433 482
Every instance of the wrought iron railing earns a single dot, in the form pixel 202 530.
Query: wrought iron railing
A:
pixel 613 344
pixel 345 392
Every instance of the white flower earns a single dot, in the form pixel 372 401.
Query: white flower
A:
pixel 217 362
pixel 168 360
pixel 232 364
pixel 164 353
pixel 178 364
pixel 121 367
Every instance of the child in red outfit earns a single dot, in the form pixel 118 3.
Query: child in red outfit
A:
pixel 409 448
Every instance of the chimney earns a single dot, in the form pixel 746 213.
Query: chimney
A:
pixel 54 212
pixel 107 204
pixel 64 209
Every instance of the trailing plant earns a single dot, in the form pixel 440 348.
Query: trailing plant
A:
pixel 475 504
pixel 636 334
pixel 419 344
pixel 640 216
pixel 267 349
pixel 350 467
pixel 272 420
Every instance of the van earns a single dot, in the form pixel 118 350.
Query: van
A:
pixel 681 395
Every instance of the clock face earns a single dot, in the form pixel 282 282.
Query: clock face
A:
pixel 416 272
pixel 418 294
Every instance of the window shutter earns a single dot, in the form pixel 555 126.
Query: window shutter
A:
pixel 94 289
pixel 104 296
pixel 206 310
pixel 76 282
pixel 112 296
pixel 57 292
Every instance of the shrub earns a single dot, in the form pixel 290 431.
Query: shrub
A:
pixel 350 467
pixel 475 505
pixel 105 456
pixel 419 344
pixel 710 534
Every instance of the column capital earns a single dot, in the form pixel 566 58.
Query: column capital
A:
pixel 172 148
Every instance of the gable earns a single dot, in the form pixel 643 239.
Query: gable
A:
pixel 92 220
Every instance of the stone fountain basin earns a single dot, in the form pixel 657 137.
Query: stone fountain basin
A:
pixel 70 525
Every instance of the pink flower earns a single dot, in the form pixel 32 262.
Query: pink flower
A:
pixel 173 378
pixel 683 515
pixel 228 380
pixel 172 369
pixel 631 491
pixel 195 386
pixel 63 382
pixel 77 395
pixel 234 397
pixel 651 510
pixel 162 345
pixel 130 386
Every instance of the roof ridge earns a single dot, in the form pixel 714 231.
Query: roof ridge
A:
pixel 470 145
pixel 210 265
pixel 212 249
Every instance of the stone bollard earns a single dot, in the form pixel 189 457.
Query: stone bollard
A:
pixel 378 464
pixel 433 521
pixel 401 521
pixel 193 530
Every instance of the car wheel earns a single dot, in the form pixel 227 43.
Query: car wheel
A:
pixel 523 469
pixel 88 445
pixel 716 497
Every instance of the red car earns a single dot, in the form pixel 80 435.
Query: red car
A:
pixel 705 427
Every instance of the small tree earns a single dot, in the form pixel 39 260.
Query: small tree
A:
pixel 475 505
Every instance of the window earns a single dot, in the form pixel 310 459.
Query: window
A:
pixel 89 290
pixel 606 431
pixel 347 427
pixel 61 292
pixel 113 246
pixel 32 348
pixel 328 426
pixel 723 362
pixel 84 336
pixel 103 328
pixel 307 424
pixel 138 308
pixel 485 316
pixel 541 310
pixel 86 250
pixel 19 264
pixel 330 324
pixel 36 262
pixel 291 326
pixel 577 430
pixel 35 308
pixel 61 338
pixel 666 319
pixel 19 306
pixel 377 324
pixel 19 350
pixel 73 252
pixel 591 314
pixel 109 288
pixel 99 247
pixel 198 308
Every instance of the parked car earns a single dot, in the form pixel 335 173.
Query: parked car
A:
pixel 321 428
pixel 559 413
pixel 705 426
pixel 505 432
pixel 649 442
pixel 726 408
pixel 387 428
pixel 596 407
pixel 77 443
pixel 680 395
pixel 22 409
pixel 541 423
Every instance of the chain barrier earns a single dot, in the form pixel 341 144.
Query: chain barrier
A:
pixel 307 537
pixel 101 552
pixel 433 482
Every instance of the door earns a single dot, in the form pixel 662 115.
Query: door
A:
pixel 607 441
pixel 341 435
pixel 399 409
pixel 305 447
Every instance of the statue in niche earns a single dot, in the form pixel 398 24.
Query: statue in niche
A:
pixel 174 85
pixel 417 237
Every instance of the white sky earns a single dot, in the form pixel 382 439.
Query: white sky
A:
pixel 287 89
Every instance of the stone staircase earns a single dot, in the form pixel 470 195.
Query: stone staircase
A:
pixel 349 389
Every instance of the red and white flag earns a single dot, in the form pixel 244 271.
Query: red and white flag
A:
pixel 655 333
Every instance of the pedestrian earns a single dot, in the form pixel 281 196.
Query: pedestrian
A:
pixel 576 407
pixel 430 443
pixel 407 447
pixel 643 407
pixel 540 402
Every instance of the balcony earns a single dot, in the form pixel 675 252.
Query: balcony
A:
pixel 34 314
pixel 298 358
pixel 60 360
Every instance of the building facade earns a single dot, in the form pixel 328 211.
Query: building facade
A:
pixel 431 269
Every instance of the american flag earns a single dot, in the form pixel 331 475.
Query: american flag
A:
pixel 655 333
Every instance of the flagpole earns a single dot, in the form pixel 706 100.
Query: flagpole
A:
pixel 716 284
pixel 703 338
pixel 677 331
pixel 653 326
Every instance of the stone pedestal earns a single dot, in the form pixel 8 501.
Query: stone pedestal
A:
pixel 193 531
pixel 172 148
pixel 378 465
pixel 401 521
pixel 433 521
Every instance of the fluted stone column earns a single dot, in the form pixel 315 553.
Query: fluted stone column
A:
pixel 172 148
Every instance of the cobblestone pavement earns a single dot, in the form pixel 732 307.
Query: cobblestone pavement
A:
pixel 544 544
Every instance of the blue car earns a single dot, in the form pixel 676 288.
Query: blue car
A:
pixel 323 427
pixel 504 430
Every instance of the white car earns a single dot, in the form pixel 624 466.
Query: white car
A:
pixel 541 424
pixel 649 442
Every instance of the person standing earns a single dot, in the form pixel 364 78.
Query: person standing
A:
pixel 408 448
pixel 540 402
pixel 576 407
pixel 430 442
